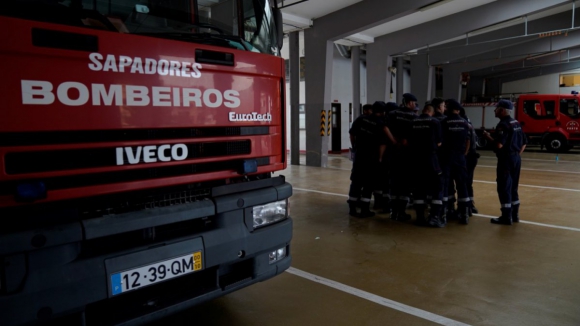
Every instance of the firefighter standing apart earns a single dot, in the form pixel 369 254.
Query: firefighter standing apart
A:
pixel 510 142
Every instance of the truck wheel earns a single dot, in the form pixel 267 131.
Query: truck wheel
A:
pixel 481 142
pixel 556 143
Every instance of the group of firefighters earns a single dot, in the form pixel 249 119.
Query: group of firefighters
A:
pixel 404 156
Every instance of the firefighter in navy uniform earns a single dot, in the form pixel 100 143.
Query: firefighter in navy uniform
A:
pixel 367 137
pixel 510 142
pixel 382 190
pixel 471 160
pixel 439 105
pixel 456 143
pixel 400 123
pixel 424 142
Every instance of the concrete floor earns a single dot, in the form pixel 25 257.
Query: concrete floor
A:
pixel 479 274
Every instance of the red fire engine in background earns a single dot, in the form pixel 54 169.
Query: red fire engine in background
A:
pixel 549 120
pixel 137 145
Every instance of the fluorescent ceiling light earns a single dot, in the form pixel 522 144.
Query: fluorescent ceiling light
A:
pixel 434 5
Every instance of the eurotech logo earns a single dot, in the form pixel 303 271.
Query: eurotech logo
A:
pixel 573 126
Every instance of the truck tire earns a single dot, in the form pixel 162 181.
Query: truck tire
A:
pixel 481 142
pixel 556 143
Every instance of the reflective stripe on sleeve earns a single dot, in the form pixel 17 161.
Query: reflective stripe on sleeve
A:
pixel 506 205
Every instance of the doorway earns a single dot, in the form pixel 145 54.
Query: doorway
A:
pixel 336 134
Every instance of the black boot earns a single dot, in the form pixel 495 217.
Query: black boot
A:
pixel 435 221
pixel 451 213
pixel 398 211
pixel 505 218
pixel 502 220
pixel 365 211
pixel 420 212
pixel 463 215
pixel 473 209
pixel 515 213
pixel 352 208
pixel 386 209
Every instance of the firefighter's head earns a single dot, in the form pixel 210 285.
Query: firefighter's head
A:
pixel 410 101
pixel 503 108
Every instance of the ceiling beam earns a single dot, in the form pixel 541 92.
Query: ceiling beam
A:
pixel 461 23
pixel 512 36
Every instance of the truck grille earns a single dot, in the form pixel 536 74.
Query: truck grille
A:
pixel 8 188
pixel 100 136
pixel 60 160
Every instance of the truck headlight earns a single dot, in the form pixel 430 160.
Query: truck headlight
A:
pixel 270 213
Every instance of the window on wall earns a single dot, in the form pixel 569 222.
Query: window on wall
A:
pixel 287 63
pixel 569 80
pixel 536 110
pixel 569 107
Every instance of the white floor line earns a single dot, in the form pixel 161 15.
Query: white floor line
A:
pixel 376 299
pixel 534 159
pixel 480 215
pixel 320 192
pixel 534 223
pixel 527 169
pixel 493 182
pixel 532 186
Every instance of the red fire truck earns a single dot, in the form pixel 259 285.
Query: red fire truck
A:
pixel 549 120
pixel 137 144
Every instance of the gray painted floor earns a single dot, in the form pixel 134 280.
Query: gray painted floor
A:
pixel 479 274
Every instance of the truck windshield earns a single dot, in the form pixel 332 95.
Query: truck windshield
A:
pixel 215 22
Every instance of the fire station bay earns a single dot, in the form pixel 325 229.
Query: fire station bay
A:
pixel 290 162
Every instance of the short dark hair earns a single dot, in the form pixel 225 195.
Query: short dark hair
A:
pixel 453 105
pixel 367 107
pixel 437 102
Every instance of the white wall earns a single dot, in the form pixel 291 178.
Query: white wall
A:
pixel 548 84
pixel 341 92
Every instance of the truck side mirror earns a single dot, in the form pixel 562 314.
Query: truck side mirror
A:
pixel 142 9
pixel 279 21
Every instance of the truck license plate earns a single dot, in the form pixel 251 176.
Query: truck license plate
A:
pixel 146 275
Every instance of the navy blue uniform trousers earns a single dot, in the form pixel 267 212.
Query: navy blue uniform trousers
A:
pixel 508 179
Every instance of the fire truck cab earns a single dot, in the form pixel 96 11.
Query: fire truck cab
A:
pixel 553 120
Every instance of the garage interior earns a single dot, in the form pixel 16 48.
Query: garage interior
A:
pixel 375 271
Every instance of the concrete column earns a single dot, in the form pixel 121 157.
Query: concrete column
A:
pixel 431 86
pixel 451 83
pixel 318 73
pixel 378 76
pixel 294 98
pixel 420 78
pixel 400 80
pixel 355 61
